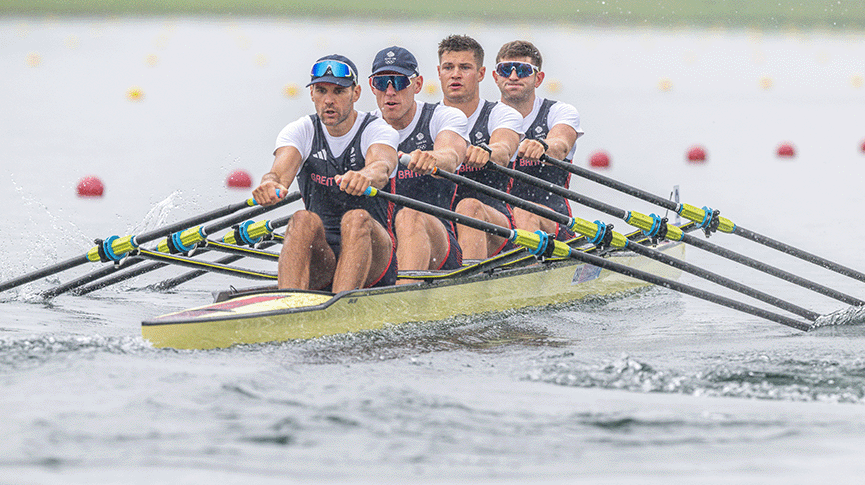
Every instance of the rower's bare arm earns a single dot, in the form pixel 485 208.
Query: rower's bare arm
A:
pixel 504 143
pixel 286 163
pixel 560 140
pixel 449 150
pixel 380 164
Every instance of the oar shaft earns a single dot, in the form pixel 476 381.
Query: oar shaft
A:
pixel 688 290
pixel 688 211
pixel 206 265
pixel 804 255
pixel 687 238
pixel 591 259
pixel 612 183
pixel 211 228
pixel 47 271
pixel 723 281
pixel 658 255
pixel 140 239
pixel 771 270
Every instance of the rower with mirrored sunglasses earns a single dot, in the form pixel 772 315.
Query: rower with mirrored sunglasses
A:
pixel 433 136
pixel 550 127
pixel 340 241
pixel 460 72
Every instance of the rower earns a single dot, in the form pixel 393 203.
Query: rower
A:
pixel 460 72
pixel 551 127
pixel 341 239
pixel 435 137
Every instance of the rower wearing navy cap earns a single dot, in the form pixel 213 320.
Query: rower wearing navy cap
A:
pixel 342 239
pixel 434 136
pixel 461 71
pixel 551 127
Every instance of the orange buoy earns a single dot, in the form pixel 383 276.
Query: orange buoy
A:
pixel 786 150
pixel 90 186
pixel 599 159
pixel 239 179
pixel 696 154
pixel 863 146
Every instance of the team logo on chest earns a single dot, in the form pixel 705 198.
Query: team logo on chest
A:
pixel 352 156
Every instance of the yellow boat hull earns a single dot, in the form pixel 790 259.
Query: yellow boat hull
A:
pixel 270 316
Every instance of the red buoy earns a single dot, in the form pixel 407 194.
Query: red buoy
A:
pixel 239 179
pixel 696 154
pixel 90 186
pixel 786 150
pixel 599 159
pixel 863 146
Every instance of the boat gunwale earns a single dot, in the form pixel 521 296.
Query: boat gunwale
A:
pixel 495 273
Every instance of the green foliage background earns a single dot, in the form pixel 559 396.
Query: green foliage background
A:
pixel 759 14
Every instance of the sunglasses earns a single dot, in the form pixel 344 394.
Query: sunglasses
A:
pixel 398 81
pixel 336 68
pixel 523 69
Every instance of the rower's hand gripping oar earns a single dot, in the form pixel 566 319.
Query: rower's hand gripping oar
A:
pixel 540 244
pixel 709 219
pixel 656 228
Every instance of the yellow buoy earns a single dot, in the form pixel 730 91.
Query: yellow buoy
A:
pixel 151 60
pixel 134 93
pixel 290 90
pixel 33 59
pixel 856 81
pixel 261 60
pixel 431 88
pixel 554 86
pixel 766 82
pixel 665 84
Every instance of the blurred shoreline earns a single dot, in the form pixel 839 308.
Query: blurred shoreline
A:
pixel 676 14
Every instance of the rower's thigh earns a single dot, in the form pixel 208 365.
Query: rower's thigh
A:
pixel 382 251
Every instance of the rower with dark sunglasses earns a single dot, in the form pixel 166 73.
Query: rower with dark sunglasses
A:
pixel 460 73
pixel 433 136
pixel 341 240
pixel 518 74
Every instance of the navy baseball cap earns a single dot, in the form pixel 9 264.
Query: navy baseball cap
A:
pixel 334 69
pixel 396 59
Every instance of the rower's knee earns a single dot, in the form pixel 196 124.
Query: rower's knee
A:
pixel 304 222
pixel 356 222
pixel 472 208
pixel 408 222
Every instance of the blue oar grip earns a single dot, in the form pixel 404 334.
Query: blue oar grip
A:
pixel 177 242
pixel 542 245
pixel 255 202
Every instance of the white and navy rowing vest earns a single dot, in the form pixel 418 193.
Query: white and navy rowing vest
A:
pixel 538 130
pixel 480 133
pixel 321 194
pixel 425 188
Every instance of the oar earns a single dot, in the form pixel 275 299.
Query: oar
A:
pixel 181 235
pixel 598 232
pixel 120 246
pixel 657 227
pixel 708 218
pixel 191 275
pixel 545 246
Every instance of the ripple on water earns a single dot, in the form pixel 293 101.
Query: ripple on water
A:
pixel 750 376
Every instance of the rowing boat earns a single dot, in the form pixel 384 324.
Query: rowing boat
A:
pixel 268 315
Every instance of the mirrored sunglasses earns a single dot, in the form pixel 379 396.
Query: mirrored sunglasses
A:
pixel 336 68
pixel 398 81
pixel 523 69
